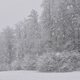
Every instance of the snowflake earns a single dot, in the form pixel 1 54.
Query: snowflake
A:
pixel 52 33
pixel 58 29
pixel 55 21
pixel 58 10
pixel 69 7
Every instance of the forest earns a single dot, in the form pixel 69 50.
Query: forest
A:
pixel 48 44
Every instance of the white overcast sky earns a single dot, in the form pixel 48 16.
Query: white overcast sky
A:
pixel 13 11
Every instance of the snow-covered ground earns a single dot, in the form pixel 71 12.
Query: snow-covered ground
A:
pixel 28 75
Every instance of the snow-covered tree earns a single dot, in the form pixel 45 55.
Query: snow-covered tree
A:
pixel 8 42
pixel 62 19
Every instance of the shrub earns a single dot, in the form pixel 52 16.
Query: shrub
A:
pixel 29 62
pixel 65 61
pixel 48 62
pixel 16 65
pixel 60 62
pixel 70 61
pixel 4 67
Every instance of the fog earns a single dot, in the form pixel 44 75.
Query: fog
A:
pixel 13 11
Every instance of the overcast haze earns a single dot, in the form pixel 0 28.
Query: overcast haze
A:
pixel 12 11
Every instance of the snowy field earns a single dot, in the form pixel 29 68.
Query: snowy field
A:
pixel 28 75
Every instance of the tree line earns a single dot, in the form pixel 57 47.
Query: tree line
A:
pixel 57 30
